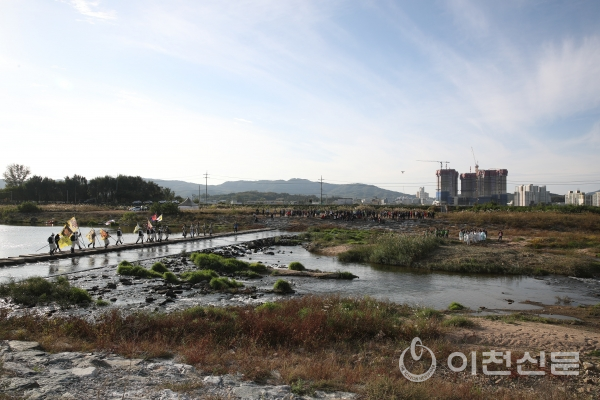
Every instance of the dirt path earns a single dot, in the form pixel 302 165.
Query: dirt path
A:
pixel 527 336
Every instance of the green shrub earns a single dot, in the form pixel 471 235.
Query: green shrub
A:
pixel 102 303
pixel 296 266
pixel 356 254
pixel 207 261
pixel 428 313
pixel 170 277
pixel 159 267
pixel 282 286
pixel 454 306
pixel 199 276
pixel 125 268
pixel 224 283
pixel 250 274
pixel 165 208
pixel 345 275
pixel 28 207
pixel 37 290
pixel 458 321
pixel 258 267
pixel 233 265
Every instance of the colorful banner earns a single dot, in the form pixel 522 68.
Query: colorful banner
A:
pixel 103 234
pixel 153 217
pixel 73 224
pixel 137 228
pixel 159 218
pixel 149 225
pixel 91 235
pixel 65 236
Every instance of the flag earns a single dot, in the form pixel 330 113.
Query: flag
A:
pixel 73 224
pixel 137 228
pixel 154 217
pixel 149 224
pixel 91 234
pixel 65 236
pixel 103 234
pixel 159 219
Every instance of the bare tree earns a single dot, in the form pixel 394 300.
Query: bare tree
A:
pixel 15 175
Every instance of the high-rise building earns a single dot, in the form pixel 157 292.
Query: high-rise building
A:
pixel 422 194
pixel 468 185
pixel 447 183
pixel 529 195
pixel 576 198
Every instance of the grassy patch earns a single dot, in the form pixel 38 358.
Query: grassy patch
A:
pixel 37 290
pixel 523 317
pixel 258 268
pixel 268 306
pixel 170 277
pixel 393 249
pixel 282 286
pixel 458 321
pixel 296 266
pixel 127 269
pixel 224 283
pixel 159 267
pixel 102 303
pixel 454 306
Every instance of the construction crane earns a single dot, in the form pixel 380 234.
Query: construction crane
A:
pixel 441 167
pixel 476 162
pixel 441 163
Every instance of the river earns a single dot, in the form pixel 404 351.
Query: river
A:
pixel 402 285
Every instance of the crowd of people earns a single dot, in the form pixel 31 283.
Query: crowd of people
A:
pixel 346 215
pixel 472 236
pixel 194 229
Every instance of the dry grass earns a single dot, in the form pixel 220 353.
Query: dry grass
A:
pixel 549 221
pixel 312 343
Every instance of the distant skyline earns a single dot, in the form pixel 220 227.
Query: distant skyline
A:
pixel 354 91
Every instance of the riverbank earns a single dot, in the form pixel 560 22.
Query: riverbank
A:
pixel 301 348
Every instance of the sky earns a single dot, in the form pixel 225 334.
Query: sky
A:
pixel 351 91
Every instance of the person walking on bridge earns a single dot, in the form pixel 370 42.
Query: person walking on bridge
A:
pixel 119 236
pixel 51 243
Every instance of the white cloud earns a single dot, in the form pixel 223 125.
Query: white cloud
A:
pixel 89 8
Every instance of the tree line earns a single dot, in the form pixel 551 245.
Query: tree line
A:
pixel 122 189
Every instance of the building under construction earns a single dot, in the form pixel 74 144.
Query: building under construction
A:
pixel 447 183
pixel 483 186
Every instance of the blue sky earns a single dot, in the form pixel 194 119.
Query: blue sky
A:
pixel 353 91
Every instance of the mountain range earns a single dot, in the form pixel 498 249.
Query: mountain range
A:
pixel 292 186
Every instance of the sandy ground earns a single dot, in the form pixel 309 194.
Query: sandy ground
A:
pixel 527 336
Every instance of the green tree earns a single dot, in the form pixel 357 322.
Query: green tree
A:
pixel 15 175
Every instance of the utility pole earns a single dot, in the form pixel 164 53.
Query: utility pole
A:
pixel 206 186
pixel 199 196
pixel 321 189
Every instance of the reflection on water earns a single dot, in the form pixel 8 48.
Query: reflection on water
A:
pixel 402 285
pixel 435 289
pixel 67 265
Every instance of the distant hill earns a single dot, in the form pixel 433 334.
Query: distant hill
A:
pixel 292 187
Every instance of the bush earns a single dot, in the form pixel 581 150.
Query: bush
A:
pixel 37 290
pixel 233 265
pixel 428 313
pixel 102 303
pixel 207 261
pixel 199 276
pixel 159 267
pixel 296 266
pixel 170 277
pixel 224 283
pixel 126 268
pixel 282 286
pixel 258 267
pixel 454 306
pixel 28 207
pixel 250 274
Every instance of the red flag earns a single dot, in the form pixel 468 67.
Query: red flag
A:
pixel 154 217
